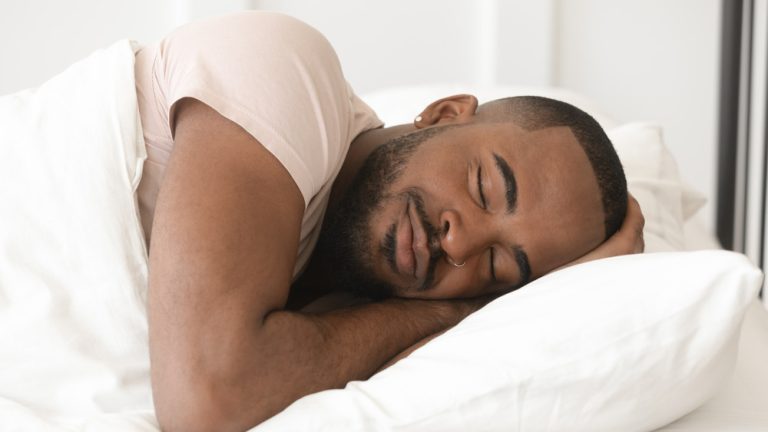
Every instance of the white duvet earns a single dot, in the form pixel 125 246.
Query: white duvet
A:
pixel 73 330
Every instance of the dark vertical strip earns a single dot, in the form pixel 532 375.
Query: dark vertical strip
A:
pixel 742 165
pixel 763 215
pixel 730 60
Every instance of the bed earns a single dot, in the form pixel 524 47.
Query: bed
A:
pixel 73 290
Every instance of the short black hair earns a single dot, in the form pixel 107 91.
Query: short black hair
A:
pixel 536 112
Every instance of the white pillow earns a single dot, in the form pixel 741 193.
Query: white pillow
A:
pixel 625 343
pixel 653 179
pixel 651 171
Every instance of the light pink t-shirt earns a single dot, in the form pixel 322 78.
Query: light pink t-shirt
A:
pixel 273 75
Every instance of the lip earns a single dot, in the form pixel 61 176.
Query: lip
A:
pixel 405 258
pixel 419 244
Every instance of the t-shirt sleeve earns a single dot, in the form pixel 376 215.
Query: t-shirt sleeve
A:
pixel 277 78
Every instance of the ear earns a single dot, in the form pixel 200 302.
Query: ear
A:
pixel 452 109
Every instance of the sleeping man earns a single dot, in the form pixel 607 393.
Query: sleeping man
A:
pixel 259 151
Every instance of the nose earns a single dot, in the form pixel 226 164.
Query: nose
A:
pixel 464 235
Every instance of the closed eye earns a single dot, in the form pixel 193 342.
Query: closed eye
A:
pixel 493 270
pixel 480 187
pixel 485 206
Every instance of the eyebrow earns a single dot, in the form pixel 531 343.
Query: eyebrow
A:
pixel 510 184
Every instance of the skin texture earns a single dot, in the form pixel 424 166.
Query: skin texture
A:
pixel 225 353
pixel 472 220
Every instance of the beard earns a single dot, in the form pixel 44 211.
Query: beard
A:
pixel 345 242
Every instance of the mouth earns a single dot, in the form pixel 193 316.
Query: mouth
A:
pixel 419 246
pixel 405 258
pixel 406 246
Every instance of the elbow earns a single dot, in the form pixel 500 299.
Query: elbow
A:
pixel 188 413
pixel 192 423
pixel 216 387
pixel 218 407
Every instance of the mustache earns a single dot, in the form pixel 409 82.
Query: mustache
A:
pixel 433 239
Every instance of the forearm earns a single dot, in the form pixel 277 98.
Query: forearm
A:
pixel 406 352
pixel 350 344
pixel 250 378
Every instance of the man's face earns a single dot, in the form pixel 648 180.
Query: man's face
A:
pixel 474 210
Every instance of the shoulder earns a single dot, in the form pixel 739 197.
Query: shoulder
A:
pixel 277 78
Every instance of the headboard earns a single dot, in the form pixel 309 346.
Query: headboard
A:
pixel 743 144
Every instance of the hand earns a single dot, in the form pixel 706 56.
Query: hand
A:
pixel 627 240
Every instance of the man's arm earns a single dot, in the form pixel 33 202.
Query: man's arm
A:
pixel 224 355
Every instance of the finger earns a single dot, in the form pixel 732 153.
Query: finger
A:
pixel 640 245
pixel 634 212
pixel 639 222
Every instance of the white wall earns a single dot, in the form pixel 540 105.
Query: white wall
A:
pixel 39 38
pixel 395 42
pixel 386 43
pixel 651 60
pixel 654 60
